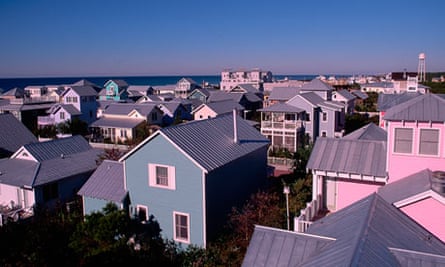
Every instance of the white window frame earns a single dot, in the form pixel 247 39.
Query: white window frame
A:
pixel 179 239
pixel 438 143
pixel 171 176
pixel 394 141
pixel 138 208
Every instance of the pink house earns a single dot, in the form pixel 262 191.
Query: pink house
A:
pixel 407 167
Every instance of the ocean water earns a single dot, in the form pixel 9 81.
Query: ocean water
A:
pixel 9 83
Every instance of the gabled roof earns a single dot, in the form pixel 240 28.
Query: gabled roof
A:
pixel 283 93
pixel 210 143
pixel 221 107
pixel 360 94
pixel 127 123
pixel 55 148
pixel 282 107
pixel 13 134
pixel 18 172
pixel 369 232
pixel 251 97
pixel 139 88
pixel 16 92
pixel 144 108
pixel 316 85
pixel 82 90
pixel 120 83
pixel 345 94
pixel 68 108
pixel 190 80
pixel 110 173
pixel 204 91
pixel 412 185
pixel 84 82
pixel 427 107
pixel 246 87
pixel 368 132
pixel 361 157
pixel 219 96
pixel 387 101
pixel 312 98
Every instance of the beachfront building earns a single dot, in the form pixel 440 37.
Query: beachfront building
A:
pixel 184 87
pixel 255 77
pixel 183 175
pixel 114 90
pixel 213 109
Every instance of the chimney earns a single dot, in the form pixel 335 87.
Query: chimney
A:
pixel 235 128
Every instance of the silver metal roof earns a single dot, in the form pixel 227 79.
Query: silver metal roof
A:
pixel 111 174
pixel 368 132
pixel 223 107
pixel 365 157
pixel 211 142
pixel 13 134
pixel 312 98
pixel 18 172
pixel 83 90
pixel 360 94
pixel 117 122
pixel 70 109
pixel 346 94
pixel 427 107
pixel 144 108
pixel 55 148
pixel 282 107
pixel 387 101
pixel 409 186
pixel 283 93
pixel 369 232
pixel 316 85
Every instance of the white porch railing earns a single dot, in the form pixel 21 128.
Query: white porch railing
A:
pixel 302 222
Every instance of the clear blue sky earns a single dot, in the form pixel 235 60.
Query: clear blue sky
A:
pixel 190 37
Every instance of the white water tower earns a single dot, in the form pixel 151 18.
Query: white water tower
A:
pixel 421 70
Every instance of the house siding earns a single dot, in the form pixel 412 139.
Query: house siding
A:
pixel 427 213
pixel 91 205
pixel 239 181
pixel 349 192
pixel 186 198
pixel 402 165
pixel 10 193
pixel 311 126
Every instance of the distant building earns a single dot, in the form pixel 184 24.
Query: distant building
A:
pixel 256 77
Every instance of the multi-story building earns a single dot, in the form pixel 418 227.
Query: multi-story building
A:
pixel 256 77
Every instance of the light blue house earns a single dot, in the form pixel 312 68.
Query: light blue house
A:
pixel 114 90
pixel 189 176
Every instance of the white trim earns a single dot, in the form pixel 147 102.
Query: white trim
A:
pixel 171 176
pixel 438 143
pixel 188 227
pixel 138 207
pixel 421 196
pixel 22 150
pixel 293 232
pixel 125 176
pixel 417 252
pixel 204 208
pixel 352 176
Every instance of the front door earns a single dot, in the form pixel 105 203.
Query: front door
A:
pixel 329 193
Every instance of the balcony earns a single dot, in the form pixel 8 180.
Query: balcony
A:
pixel 33 100
pixel 286 125
pixel 308 215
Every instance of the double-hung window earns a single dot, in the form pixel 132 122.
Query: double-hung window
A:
pixel 429 142
pixel 162 176
pixel 181 222
pixel 403 140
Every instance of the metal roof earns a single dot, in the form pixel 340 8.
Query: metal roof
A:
pixel 69 108
pixel 369 232
pixel 13 134
pixel 16 92
pixel 55 148
pixel 219 96
pixel 84 82
pixel 409 186
pixel 111 174
pixel 275 247
pixel 211 142
pixel 360 94
pixel 316 85
pixel 363 157
pixel 312 98
pixel 283 93
pixel 387 101
pixel 82 90
pixel 117 122
pixel 120 83
pixel 18 172
pixel 282 107
pixel 346 94
pixel 247 87
pixel 144 108
pixel 222 107
pixel 427 107
pixel 368 132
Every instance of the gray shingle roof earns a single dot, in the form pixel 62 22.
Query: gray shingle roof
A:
pixel 369 232
pixel 365 157
pixel 283 93
pixel 117 122
pixel 111 174
pixel 409 186
pixel 316 85
pixel 282 107
pixel 210 142
pixel 427 107
pixel 13 134
pixel 387 101
pixel 368 132
pixel 55 148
